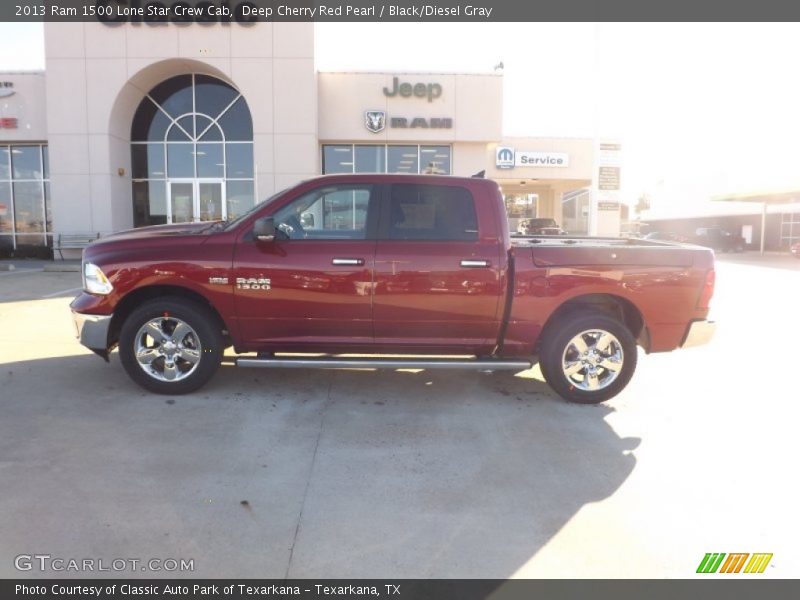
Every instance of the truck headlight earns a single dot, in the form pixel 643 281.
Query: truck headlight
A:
pixel 95 281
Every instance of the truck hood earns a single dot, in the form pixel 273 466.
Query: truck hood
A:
pixel 155 231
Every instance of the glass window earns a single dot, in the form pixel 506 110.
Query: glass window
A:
pixel 178 132
pixel 26 162
pixel 188 118
pixel 239 161
pixel 212 96
pixel 29 207
pixel 435 160
pixel 329 213
pixel 432 212
pixel 210 161
pixel 148 161
pixel 24 208
pixel 337 159
pixel 5 169
pixel 149 202
pixel 370 159
pixel 240 196
pixel 149 123
pixel 48 210
pixel 6 223
pixel 236 122
pixel 211 134
pixel 34 241
pixel 174 95
pixel 46 161
pixel 180 160
pixel 402 159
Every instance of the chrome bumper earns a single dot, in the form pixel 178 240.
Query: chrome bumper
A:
pixel 699 333
pixel 92 330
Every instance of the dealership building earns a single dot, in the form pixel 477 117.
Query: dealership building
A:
pixel 139 124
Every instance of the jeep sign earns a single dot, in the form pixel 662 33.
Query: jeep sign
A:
pixel 431 91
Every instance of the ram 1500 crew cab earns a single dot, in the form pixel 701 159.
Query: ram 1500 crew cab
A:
pixel 367 266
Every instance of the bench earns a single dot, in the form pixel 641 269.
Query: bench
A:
pixel 74 241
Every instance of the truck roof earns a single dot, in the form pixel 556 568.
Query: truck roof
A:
pixel 403 178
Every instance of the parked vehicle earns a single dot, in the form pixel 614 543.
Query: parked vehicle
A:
pixel 795 249
pixel 665 236
pixel 539 226
pixel 400 265
pixel 719 239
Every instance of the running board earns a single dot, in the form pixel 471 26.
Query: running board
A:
pixel 385 363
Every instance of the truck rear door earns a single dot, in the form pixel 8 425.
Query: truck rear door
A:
pixel 437 269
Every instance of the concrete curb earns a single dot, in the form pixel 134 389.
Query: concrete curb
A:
pixel 7 267
pixel 62 268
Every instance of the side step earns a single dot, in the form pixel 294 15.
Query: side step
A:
pixel 385 363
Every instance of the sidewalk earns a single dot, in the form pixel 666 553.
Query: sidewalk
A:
pixel 37 264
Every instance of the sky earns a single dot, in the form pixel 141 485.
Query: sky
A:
pixel 701 109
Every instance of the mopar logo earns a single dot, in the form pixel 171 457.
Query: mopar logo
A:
pixel 504 157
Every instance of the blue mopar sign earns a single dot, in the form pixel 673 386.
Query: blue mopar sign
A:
pixel 504 157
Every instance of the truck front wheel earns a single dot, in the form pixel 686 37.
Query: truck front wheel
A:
pixel 588 357
pixel 170 346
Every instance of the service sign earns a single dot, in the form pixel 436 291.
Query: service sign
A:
pixel 508 158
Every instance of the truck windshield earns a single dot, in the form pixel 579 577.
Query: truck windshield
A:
pixel 228 225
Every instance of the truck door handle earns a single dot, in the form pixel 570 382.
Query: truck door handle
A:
pixel 472 263
pixel 353 262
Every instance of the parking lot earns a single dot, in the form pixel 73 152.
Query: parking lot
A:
pixel 293 473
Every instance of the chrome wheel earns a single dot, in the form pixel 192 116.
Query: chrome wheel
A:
pixel 167 349
pixel 592 360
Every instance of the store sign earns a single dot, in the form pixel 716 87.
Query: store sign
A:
pixel 508 158
pixel 422 122
pixel 8 123
pixel 375 121
pixel 608 178
pixel 404 89
pixel 206 11
pixel 504 157
pixel 6 89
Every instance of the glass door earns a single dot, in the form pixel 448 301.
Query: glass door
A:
pixel 193 200
pixel 210 204
pixel 181 201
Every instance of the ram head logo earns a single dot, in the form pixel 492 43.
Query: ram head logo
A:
pixel 375 120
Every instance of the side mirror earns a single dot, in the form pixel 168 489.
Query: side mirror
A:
pixel 264 229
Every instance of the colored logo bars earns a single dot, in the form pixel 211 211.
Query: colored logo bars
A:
pixel 713 563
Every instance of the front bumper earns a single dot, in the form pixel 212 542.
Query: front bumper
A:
pixel 92 331
pixel 699 333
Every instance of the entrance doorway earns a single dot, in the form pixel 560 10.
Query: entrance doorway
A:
pixel 194 200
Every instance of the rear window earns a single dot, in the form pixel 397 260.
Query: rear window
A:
pixel 432 212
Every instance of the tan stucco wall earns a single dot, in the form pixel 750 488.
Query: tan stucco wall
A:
pixel 474 102
pixel 99 73
pixel 27 105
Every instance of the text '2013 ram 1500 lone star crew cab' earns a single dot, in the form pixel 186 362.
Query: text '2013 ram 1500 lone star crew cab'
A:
pixel 388 271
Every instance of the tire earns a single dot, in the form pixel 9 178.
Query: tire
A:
pixel 560 351
pixel 173 365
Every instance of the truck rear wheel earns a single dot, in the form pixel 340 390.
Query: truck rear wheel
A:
pixel 588 357
pixel 170 346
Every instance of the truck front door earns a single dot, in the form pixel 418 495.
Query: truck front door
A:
pixel 312 286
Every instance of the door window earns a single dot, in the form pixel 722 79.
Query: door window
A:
pixel 329 213
pixel 432 212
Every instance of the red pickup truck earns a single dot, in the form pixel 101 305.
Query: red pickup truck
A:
pixel 388 271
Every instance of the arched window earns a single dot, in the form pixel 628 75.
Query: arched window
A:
pixel 191 152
